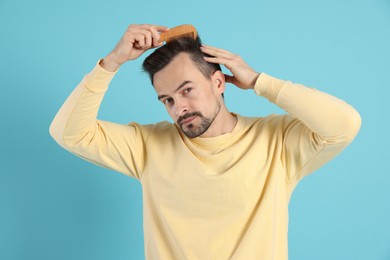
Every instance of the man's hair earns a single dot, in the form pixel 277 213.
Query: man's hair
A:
pixel 162 56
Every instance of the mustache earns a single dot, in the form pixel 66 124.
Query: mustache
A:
pixel 185 116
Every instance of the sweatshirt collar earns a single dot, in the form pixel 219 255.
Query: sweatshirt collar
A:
pixel 221 139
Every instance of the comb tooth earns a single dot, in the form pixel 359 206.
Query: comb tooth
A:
pixel 191 34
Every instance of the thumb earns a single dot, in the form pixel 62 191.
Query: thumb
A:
pixel 231 79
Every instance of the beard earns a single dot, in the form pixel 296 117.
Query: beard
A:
pixel 192 130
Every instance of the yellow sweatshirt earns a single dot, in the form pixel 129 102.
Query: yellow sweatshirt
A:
pixel 224 197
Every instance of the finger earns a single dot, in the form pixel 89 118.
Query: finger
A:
pixel 217 60
pixel 222 61
pixel 155 36
pixel 154 29
pixel 161 28
pixel 151 33
pixel 129 37
pixel 213 51
pixel 217 54
pixel 211 59
pixel 148 40
pixel 139 40
pixel 213 48
pixel 229 78
pixel 149 26
pixel 157 27
pixel 143 37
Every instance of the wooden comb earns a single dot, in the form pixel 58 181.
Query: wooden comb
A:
pixel 184 30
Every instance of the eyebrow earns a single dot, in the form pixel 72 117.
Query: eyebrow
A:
pixel 177 89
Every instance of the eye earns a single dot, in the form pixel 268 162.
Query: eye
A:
pixel 168 101
pixel 187 90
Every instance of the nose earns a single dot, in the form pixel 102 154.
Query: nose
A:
pixel 181 108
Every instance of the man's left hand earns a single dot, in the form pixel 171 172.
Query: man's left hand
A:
pixel 243 76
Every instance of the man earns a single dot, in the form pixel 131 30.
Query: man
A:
pixel 216 185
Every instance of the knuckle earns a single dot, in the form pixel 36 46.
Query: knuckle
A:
pixel 237 57
pixel 128 36
pixel 146 26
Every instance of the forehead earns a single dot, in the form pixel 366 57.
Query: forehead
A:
pixel 180 69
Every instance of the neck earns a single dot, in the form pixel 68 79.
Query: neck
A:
pixel 223 123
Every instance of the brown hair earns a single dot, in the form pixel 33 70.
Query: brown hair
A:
pixel 162 56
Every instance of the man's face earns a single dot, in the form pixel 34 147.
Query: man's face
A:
pixel 192 100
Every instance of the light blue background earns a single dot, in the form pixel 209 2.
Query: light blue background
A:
pixel 53 205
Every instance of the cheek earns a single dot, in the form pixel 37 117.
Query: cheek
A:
pixel 171 113
pixel 208 100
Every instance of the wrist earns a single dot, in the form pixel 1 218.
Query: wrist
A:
pixel 254 80
pixel 109 63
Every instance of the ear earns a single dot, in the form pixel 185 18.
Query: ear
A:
pixel 218 80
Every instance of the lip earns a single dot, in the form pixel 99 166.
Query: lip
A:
pixel 188 120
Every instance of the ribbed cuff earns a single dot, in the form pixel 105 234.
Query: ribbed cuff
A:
pixel 98 79
pixel 268 86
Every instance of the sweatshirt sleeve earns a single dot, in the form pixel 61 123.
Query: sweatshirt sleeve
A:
pixel 319 127
pixel 76 128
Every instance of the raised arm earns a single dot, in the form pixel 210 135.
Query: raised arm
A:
pixel 76 127
pixel 320 125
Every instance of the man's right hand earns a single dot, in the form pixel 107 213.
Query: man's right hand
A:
pixel 135 41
